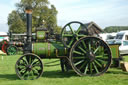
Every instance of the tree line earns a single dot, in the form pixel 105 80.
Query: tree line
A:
pixel 111 29
pixel 43 13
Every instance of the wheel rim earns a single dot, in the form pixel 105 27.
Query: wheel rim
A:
pixel 90 56
pixel 71 32
pixel 29 67
pixel 11 50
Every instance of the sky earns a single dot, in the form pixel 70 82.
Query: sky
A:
pixel 103 12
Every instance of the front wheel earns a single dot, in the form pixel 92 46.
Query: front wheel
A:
pixel 90 56
pixel 29 67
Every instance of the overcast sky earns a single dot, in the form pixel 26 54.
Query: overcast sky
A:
pixel 103 12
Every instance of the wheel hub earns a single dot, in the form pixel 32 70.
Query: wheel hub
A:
pixel 91 56
pixel 75 35
pixel 29 67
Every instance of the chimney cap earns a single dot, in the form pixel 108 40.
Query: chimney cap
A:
pixel 28 9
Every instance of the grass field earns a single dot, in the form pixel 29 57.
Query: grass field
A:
pixel 54 76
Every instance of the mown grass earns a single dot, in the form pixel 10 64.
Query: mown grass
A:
pixel 125 58
pixel 54 76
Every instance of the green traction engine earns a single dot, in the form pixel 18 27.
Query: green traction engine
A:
pixel 85 54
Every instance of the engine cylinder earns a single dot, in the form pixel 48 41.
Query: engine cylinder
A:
pixel 49 49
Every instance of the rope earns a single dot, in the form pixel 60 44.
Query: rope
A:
pixel 46 64
pixel 52 62
pixel 52 65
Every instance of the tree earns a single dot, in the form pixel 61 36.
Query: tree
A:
pixel 115 28
pixel 15 23
pixel 43 13
pixel 57 30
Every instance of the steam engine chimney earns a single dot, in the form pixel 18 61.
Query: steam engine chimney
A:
pixel 28 43
pixel 29 24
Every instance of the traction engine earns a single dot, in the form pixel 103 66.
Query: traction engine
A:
pixel 87 55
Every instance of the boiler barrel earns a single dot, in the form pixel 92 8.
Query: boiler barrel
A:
pixel 49 49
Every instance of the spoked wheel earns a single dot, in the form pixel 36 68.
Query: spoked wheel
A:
pixel 71 32
pixel 11 50
pixel 29 67
pixel 90 56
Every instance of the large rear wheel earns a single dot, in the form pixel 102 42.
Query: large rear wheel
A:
pixel 90 56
